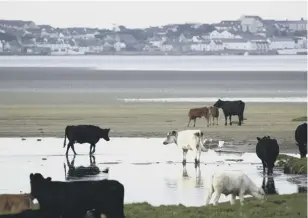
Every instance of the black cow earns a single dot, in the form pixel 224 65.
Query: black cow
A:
pixel 24 214
pixel 301 139
pixel 74 199
pixel 232 108
pixel 267 150
pixel 84 134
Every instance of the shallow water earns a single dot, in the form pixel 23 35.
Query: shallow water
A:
pixel 149 170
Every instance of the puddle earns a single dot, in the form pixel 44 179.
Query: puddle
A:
pixel 149 170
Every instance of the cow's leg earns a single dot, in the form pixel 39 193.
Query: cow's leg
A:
pixel 217 121
pixel 241 196
pixel 264 165
pixel 94 145
pixel 230 120
pixel 226 117
pixel 208 197
pixel 184 156
pixel 232 200
pixel 216 197
pixel 207 121
pixel 68 147
pixel 188 122
pixel 239 120
pixel 195 122
pixel 73 148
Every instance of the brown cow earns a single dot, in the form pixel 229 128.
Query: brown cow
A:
pixel 195 113
pixel 15 203
pixel 214 113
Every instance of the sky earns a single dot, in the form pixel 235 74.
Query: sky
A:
pixel 141 14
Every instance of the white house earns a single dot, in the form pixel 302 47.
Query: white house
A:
pixel 251 24
pixel 215 45
pixel 118 46
pixel 216 34
pixel 166 47
pixel 237 44
pixel 281 43
pixel 200 46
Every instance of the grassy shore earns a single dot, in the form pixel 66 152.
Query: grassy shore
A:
pixel 32 118
pixel 292 165
pixel 276 206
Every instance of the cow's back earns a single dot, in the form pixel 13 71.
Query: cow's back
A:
pixel 228 180
pixel 83 133
pixel 187 137
pixel 198 112
pixel 234 107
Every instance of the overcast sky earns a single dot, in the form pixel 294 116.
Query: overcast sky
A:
pixel 103 14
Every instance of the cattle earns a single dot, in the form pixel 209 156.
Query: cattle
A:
pixel 301 139
pixel 235 183
pixel 231 108
pixel 81 171
pixel 187 140
pixel 84 134
pixel 214 113
pixel 24 214
pixel 267 150
pixel 195 113
pixel 15 203
pixel 74 199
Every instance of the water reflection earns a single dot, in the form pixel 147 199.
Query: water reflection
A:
pixel 269 185
pixel 198 177
pixel 74 173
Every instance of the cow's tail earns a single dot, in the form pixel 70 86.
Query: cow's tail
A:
pixel 65 134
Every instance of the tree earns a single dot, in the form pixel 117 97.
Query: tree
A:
pixel 5 37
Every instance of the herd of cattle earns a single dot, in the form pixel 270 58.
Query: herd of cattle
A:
pixel 75 198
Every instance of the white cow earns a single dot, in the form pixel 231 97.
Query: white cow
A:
pixel 187 140
pixel 235 183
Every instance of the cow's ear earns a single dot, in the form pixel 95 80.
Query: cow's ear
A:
pixel 108 130
pixel 31 176
pixel 174 133
pixel 258 139
pixel 197 134
pixel 48 179
pixel 201 133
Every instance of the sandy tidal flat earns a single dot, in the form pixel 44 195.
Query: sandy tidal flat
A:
pixel 153 120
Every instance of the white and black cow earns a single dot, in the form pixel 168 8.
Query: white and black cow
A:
pixel 187 140
pixel 235 183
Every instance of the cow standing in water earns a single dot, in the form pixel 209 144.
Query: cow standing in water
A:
pixel 84 134
pixel 195 113
pixel 214 113
pixel 232 108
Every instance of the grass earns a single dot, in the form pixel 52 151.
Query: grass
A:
pixel 300 119
pixel 292 165
pixel 276 206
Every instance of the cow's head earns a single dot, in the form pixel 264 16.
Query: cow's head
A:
pixel 218 103
pixel 171 138
pixel 105 134
pixel 37 181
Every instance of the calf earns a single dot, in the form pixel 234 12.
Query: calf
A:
pixel 84 134
pixel 195 113
pixel 301 139
pixel 235 183
pixel 232 108
pixel 214 113
pixel 74 199
pixel 267 150
pixel 187 140
pixel 15 203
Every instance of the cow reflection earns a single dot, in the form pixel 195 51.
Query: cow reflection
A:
pixel 269 185
pixel 301 189
pixel 81 171
pixel 198 175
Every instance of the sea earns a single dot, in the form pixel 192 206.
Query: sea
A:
pixel 280 78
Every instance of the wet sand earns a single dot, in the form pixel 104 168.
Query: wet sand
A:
pixel 148 120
